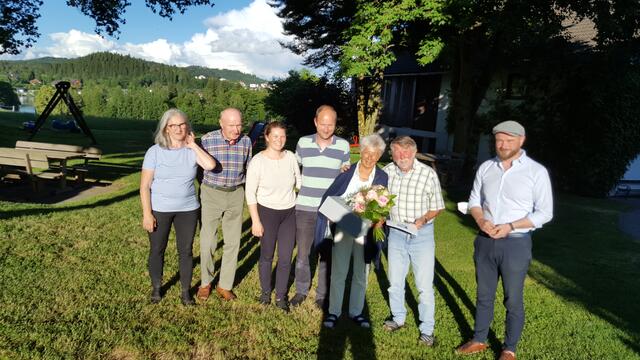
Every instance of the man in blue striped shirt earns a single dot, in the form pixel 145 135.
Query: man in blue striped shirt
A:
pixel 322 156
pixel 511 197
pixel 222 199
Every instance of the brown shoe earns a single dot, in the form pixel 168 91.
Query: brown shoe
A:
pixel 471 347
pixel 226 295
pixel 507 355
pixel 203 292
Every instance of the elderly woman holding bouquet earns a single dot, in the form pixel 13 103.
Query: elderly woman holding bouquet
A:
pixel 363 175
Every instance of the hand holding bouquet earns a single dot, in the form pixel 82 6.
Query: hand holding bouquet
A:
pixel 374 204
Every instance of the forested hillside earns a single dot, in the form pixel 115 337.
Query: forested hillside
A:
pixel 111 68
pixel 118 86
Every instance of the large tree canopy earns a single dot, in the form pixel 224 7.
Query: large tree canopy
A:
pixel 475 38
pixel 18 29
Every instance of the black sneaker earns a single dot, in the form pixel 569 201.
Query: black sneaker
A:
pixel 155 295
pixel 265 298
pixel 186 299
pixel 427 340
pixel 282 304
pixel 298 299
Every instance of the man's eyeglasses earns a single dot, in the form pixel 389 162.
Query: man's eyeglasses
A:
pixel 175 126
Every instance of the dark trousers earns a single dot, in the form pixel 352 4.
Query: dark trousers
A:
pixel 508 258
pixel 184 223
pixel 305 232
pixel 279 227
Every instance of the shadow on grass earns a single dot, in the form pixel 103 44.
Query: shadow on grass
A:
pixel 8 214
pixel 583 247
pixel 332 343
pixel 580 249
pixel 442 278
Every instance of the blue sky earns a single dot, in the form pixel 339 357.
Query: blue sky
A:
pixel 240 35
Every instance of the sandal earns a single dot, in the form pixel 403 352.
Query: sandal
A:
pixel 362 321
pixel 330 321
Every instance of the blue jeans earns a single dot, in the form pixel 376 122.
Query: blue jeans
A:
pixel 419 252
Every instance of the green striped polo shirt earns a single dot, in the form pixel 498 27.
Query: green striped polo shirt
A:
pixel 319 169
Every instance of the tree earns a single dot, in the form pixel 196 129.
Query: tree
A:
pixel 7 96
pixel 297 97
pixel 474 37
pixel 18 27
pixel 43 96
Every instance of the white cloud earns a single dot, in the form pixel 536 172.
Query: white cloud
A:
pixel 76 43
pixel 246 40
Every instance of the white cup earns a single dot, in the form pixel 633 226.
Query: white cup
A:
pixel 463 207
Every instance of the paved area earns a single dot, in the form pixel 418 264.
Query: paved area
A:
pixel 629 222
pixel 50 194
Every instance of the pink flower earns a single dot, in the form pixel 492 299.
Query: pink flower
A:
pixel 382 200
pixel 359 208
pixel 371 195
pixel 359 198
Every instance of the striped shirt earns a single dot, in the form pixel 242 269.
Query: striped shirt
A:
pixel 418 191
pixel 319 168
pixel 231 160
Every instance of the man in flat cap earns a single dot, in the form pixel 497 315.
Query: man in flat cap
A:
pixel 511 197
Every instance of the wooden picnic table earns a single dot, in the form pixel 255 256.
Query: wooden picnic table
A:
pixel 60 157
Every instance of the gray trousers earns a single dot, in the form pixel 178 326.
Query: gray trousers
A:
pixel 227 207
pixel 508 258
pixel 344 249
pixel 305 231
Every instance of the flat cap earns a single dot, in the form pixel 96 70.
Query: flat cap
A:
pixel 509 127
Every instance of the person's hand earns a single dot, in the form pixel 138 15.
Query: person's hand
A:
pixel 190 140
pixel 345 168
pixel 500 231
pixel 149 223
pixel 257 229
pixel 378 224
pixel 420 222
pixel 487 226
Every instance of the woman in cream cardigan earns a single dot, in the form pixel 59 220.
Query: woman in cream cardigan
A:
pixel 272 177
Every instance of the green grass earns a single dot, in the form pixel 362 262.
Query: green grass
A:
pixel 74 284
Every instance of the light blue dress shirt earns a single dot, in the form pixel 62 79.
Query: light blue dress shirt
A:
pixel 524 190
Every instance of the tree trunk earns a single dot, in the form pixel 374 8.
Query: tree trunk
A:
pixel 369 103
pixel 472 72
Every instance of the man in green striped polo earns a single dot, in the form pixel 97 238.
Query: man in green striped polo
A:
pixel 322 156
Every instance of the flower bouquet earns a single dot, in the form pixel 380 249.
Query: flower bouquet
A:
pixel 374 204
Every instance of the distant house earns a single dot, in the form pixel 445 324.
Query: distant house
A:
pixel 35 82
pixel 242 84
pixel 75 83
pixel 200 77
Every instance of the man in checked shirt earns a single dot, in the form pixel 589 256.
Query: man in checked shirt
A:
pixel 419 201
pixel 222 199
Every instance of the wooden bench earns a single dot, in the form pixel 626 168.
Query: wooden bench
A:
pixel 20 162
pixel 57 150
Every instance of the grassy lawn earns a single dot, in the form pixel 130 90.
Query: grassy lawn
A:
pixel 73 284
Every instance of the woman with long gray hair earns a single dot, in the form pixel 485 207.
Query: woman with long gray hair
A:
pixel 168 196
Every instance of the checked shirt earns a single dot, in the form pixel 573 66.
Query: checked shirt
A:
pixel 418 191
